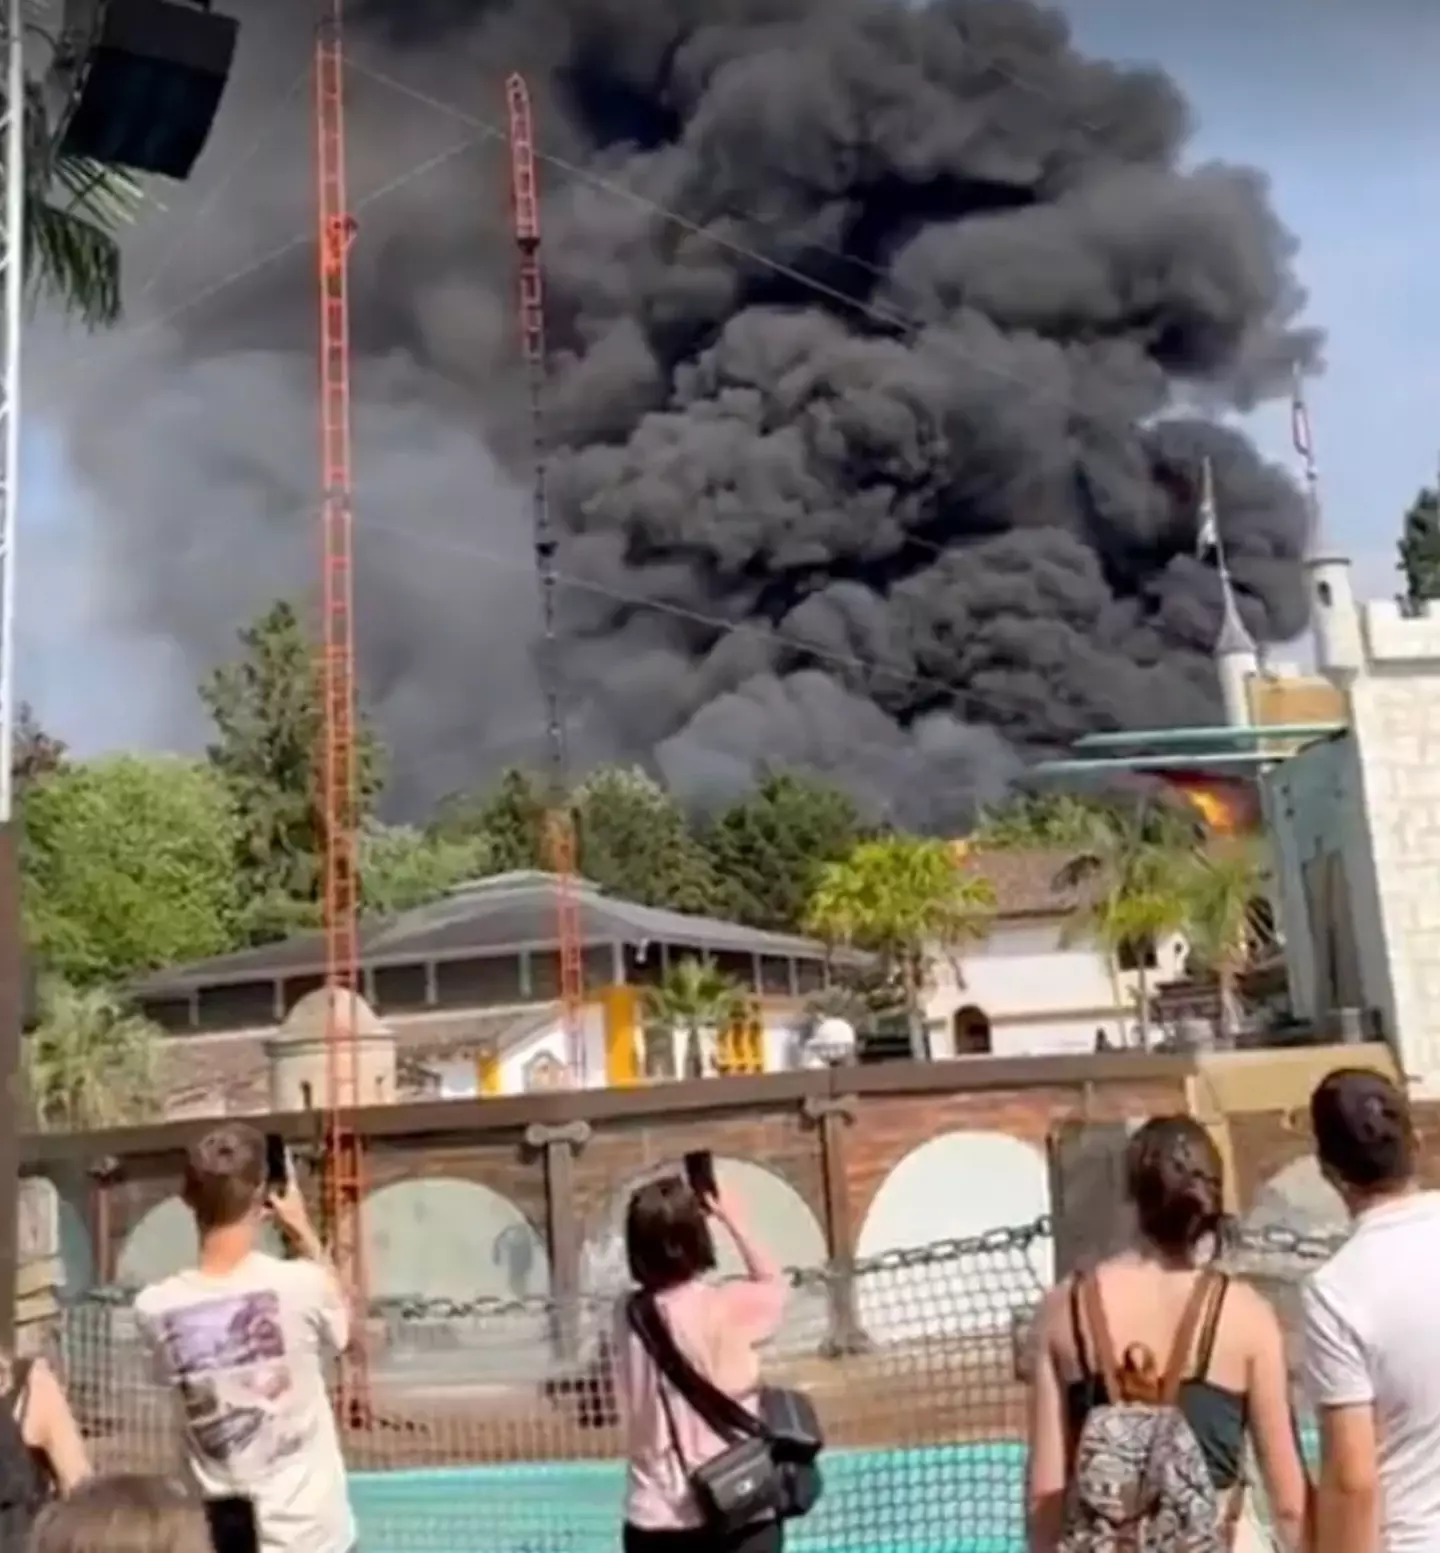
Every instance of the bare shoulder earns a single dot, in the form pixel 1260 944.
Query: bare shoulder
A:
pixel 1250 1311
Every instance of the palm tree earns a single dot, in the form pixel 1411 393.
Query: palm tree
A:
pixel 91 1061
pixel 74 211
pixel 1221 889
pixel 1135 873
pixel 901 897
pixel 692 1001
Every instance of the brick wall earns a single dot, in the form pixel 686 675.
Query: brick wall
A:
pixel 770 1120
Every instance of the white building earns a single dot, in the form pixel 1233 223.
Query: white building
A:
pixel 1034 986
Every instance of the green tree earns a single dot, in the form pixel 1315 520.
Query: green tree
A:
pixel 35 752
pixel 91 1061
pixel 268 714
pixel 1134 879
pixel 1221 890
pixel 1062 821
pixel 635 843
pixel 1420 549
pixel 768 848
pixel 903 898
pixel 402 867
pixel 509 816
pixel 694 1001
pixel 127 864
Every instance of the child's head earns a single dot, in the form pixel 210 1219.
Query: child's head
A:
pixel 123 1514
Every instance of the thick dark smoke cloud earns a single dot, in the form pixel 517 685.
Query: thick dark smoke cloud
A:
pixel 889 336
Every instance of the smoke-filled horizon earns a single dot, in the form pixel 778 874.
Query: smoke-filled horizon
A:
pixel 877 338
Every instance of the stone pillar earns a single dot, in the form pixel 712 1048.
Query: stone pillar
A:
pixel 831 1116
pixel 559 1146
pixel 40 1274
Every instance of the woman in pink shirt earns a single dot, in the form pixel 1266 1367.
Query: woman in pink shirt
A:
pixel 716 1326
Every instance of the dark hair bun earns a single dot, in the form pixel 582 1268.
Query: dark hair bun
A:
pixel 1176 1181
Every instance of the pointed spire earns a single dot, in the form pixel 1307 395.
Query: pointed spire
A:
pixel 1233 640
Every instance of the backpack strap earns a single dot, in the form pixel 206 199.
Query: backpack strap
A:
pixel 720 1413
pixel 1206 1350
pixel 1195 1307
pixel 1088 1291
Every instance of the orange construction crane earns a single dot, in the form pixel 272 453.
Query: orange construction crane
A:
pixel 344 1186
pixel 560 821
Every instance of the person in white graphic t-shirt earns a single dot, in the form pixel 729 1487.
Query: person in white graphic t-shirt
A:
pixel 241 1339
pixel 1372 1340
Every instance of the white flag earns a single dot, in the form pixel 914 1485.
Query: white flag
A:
pixel 1207 539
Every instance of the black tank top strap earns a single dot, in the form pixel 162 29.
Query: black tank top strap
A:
pixel 1077 1325
pixel 1205 1348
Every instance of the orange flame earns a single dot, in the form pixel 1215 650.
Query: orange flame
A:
pixel 1228 808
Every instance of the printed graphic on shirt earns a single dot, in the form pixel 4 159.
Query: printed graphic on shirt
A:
pixel 230 1366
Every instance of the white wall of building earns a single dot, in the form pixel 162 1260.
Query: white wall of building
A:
pixel 1054 993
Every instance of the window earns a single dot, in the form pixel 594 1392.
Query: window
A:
pixel 972 1032
pixel 1133 953
pixel 544 1072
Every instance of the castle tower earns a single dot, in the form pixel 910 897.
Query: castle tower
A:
pixel 1237 661
pixel 1335 618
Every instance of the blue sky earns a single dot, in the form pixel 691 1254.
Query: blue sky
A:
pixel 1340 110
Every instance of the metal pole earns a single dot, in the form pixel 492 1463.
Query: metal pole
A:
pixel 12 255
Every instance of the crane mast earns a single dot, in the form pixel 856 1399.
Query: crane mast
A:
pixel 343 1183
pixel 560 823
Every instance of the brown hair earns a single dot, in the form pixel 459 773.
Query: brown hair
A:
pixel 1175 1178
pixel 1364 1134
pixel 225 1175
pixel 123 1514
pixel 667 1235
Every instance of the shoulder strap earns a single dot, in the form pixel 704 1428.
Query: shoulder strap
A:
pixel 1088 1290
pixel 1077 1329
pixel 1190 1318
pixel 719 1412
pixel 1206 1350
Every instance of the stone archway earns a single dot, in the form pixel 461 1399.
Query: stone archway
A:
pixel 463 1278
pixel 779 1217
pixel 953 1187
pixel 164 1242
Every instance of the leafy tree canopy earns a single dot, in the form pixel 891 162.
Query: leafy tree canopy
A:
pixel 36 753
pixel 127 865
pixel 91 1062
pixel 1420 549
pixel 768 848
pixel 635 843
pixel 268 716
pixel 402 867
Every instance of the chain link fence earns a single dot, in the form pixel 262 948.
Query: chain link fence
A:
pixel 494 1426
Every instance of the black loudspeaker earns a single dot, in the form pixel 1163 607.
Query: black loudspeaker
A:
pixel 151 86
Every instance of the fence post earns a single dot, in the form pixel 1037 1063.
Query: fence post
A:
pixel 559 1146
pixel 830 1115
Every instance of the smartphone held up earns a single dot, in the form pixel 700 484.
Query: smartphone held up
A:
pixel 277 1165
pixel 700 1173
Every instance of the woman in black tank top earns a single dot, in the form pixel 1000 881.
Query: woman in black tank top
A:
pixel 1235 1382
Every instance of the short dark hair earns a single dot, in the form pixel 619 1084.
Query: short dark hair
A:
pixel 1175 1178
pixel 1364 1134
pixel 667 1235
pixel 224 1175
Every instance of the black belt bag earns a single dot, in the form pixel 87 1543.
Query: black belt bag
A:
pixel 768 1469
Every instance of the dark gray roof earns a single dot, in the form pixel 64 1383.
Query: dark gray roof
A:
pixel 495 916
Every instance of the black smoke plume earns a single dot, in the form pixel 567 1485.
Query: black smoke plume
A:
pixel 886 342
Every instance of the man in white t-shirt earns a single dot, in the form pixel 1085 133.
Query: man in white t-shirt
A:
pixel 240 1338
pixel 1371 1330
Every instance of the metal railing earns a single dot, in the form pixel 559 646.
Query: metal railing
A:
pixel 494 1424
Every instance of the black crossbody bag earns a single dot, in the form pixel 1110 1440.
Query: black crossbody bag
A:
pixel 768 1469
